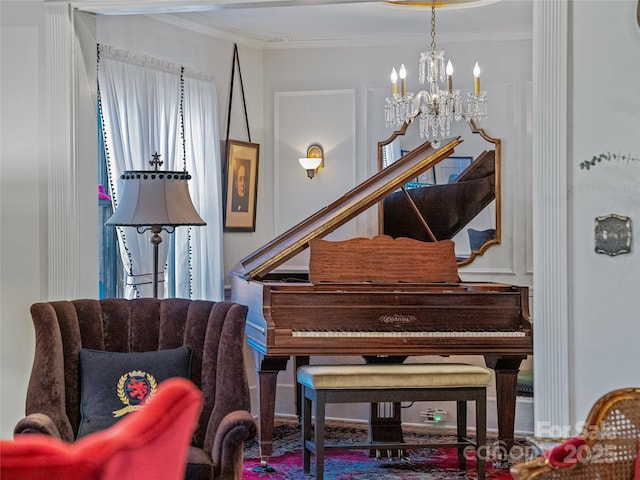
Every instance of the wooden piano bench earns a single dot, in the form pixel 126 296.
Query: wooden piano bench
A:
pixel 322 384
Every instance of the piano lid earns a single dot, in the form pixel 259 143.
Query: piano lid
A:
pixel 323 222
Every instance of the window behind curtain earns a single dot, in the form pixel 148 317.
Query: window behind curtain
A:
pixel 110 268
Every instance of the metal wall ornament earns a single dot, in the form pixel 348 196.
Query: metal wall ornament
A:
pixel 613 234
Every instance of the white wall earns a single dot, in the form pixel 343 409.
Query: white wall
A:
pixel 605 112
pixel 585 103
pixel 23 198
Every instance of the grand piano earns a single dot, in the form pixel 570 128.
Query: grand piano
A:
pixel 413 305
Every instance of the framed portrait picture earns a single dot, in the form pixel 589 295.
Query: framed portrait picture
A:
pixel 241 183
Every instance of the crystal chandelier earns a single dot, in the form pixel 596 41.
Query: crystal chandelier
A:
pixel 435 108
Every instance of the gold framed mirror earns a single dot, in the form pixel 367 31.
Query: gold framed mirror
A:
pixel 458 199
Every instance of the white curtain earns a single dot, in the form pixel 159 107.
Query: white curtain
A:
pixel 150 105
pixel 199 271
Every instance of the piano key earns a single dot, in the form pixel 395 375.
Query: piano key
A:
pixel 316 333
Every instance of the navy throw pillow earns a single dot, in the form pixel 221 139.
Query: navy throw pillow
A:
pixel 114 384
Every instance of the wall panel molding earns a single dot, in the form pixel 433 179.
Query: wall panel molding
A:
pixel 327 117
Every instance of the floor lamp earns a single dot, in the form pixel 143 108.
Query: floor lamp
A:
pixel 155 200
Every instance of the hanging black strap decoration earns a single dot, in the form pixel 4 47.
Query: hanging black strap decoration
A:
pixel 236 60
pixel 240 170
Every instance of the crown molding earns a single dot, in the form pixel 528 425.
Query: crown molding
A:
pixel 120 7
pixel 223 31
pixel 190 15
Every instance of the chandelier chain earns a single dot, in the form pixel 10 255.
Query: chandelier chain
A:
pixel 433 26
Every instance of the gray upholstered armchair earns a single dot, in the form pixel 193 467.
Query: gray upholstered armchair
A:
pixel 214 331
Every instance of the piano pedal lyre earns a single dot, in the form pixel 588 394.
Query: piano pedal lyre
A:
pixel 391 454
pixel 403 456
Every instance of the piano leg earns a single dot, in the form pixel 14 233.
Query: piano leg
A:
pixel 506 369
pixel 299 361
pixel 267 368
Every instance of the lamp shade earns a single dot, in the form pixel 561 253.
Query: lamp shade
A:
pixel 155 198
pixel 310 163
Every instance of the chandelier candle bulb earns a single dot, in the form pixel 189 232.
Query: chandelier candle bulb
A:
pixel 394 81
pixel 450 76
pixel 403 79
pixel 476 77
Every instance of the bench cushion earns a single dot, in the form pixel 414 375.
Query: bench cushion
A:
pixel 410 375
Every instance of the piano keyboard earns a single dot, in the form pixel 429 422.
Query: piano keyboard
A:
pixel 334 333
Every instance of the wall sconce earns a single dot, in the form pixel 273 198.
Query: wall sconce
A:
pixel 313 161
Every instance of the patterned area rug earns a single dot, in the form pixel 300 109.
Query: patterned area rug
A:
pixel 423 464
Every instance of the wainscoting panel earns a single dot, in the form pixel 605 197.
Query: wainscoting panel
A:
pixel 325 117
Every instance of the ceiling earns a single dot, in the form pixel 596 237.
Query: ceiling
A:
pixel 290 24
